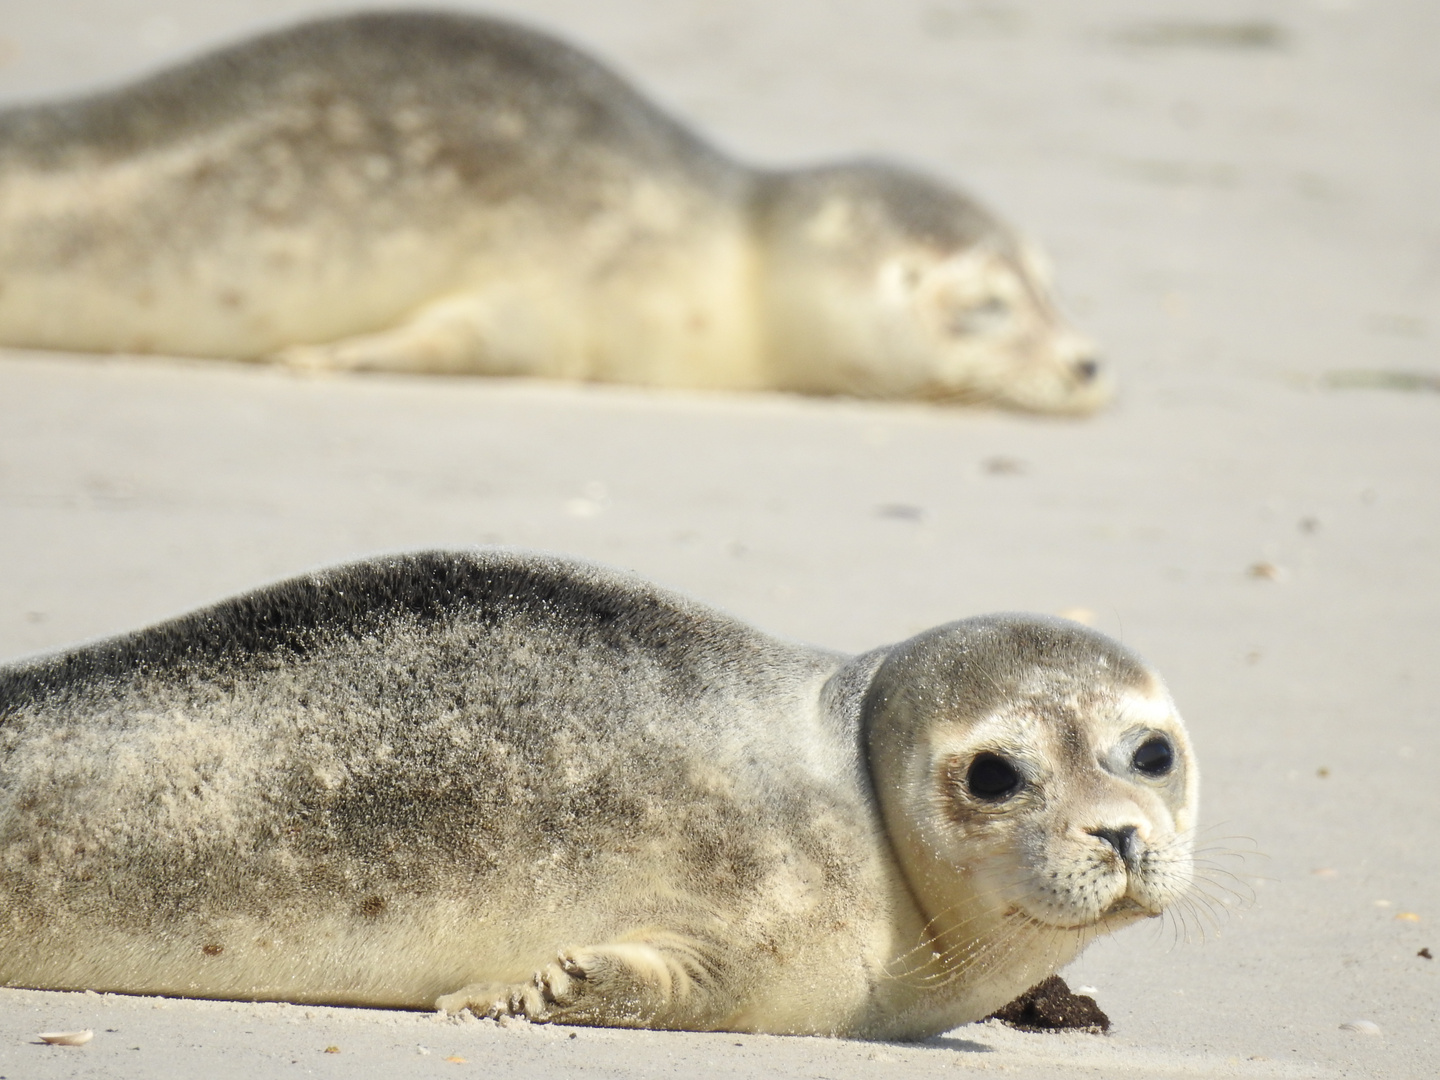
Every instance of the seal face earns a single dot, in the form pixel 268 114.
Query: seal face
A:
pixel 427 192
pixel 525 786
pixel 884 283
pixel 1052 766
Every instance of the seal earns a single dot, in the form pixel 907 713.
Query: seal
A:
pixel 448 193
pixel 523 786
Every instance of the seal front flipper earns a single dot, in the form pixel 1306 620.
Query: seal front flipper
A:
pixel 509 329
pixel 443 337
pixel 657 980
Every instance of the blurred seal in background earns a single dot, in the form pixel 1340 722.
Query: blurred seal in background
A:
pixel 450 193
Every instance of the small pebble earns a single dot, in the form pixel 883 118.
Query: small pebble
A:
pixel 1425 953
pixel 66 1038
pixel 424 1051
pixel 456 1059
pixel 1361 1027
pixel 1266 571
pixel 1407 916
pixel 332 1049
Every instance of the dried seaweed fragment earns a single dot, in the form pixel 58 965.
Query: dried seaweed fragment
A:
pixel 1050 1006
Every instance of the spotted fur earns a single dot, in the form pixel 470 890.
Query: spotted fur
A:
pixel 518 784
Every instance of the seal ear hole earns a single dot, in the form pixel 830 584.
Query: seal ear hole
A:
pixel 1154 757
pixel 992 778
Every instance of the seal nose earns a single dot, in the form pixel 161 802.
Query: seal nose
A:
pixel 1087 369
pixel 1122 839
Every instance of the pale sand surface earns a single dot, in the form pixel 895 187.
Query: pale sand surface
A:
pixel 1232 222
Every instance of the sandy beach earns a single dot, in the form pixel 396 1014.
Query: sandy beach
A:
pixel 1240 202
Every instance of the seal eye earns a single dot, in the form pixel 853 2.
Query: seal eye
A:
pixel 1155 757
pixel 992 778
pixel 981 318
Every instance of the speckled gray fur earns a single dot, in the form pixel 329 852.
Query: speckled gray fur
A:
pixel 586 130
pixel 386 782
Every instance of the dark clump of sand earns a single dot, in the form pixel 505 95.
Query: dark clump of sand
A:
pixel 1050 1006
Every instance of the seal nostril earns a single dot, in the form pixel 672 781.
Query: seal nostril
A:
pixel 1121 839
pixel 1087 369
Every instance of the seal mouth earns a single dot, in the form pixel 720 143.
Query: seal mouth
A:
pixel 1127 906
pixel 1086 392
pixel 1123 909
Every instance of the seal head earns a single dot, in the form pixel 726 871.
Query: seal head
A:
pixel 882 282
pixel 1038 788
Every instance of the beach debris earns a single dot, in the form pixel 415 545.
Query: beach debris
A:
pixel 1266 571
pixel 424 1051
pixel 1247 34
pixel 1404 381
pixel 66 1038
pixel 1050 1006
pixel 900 512
pixel 591 502
pixel 456 1059
pixel 1407 916
pixel 1361 1027
pixel 1000 465
pixel 332 1049
pixel 1425 952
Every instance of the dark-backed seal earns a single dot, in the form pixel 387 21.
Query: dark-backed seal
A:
pixel 427 192
pixel 519 785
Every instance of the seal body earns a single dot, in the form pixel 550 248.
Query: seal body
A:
pixel 524 786
pixel 427 192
